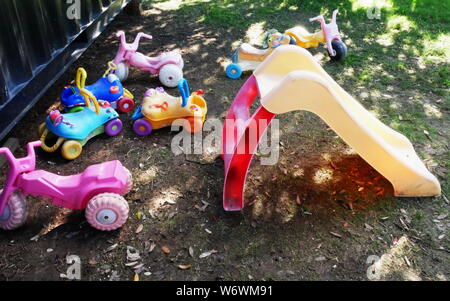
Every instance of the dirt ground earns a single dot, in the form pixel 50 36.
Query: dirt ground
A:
pixel 316 215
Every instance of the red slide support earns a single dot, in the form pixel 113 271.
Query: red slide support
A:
pixel 240 138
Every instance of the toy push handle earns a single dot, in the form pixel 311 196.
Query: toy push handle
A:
pixel 184 91
pixel 8 154
pixel 30 149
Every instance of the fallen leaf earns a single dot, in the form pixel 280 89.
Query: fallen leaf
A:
pixel 442 216
pixel 360 189
pixel 207 253
pixel 184 267
pixel 152 246
pixel 139 214
pixel 368 227
pixel 208 231
pixel 191 251
pixel 139 228
pixel 407 261
pixel 92 262
pixel 336 234
pixel 138 267
pixel 136 277
pixel 109 249
pixel 166 250
pixel 35 238
pixel 298 201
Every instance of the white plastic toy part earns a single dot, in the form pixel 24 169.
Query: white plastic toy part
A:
pixel 170 75
pixel 289 79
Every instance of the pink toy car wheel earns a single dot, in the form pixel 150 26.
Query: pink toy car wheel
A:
pixel 107 211
pixel 15 212
pixel 113 127
pixel 125 105
pixel 142 127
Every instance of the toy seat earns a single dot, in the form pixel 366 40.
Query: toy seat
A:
pixel 162 106
pixel 304 38
pixel 250 53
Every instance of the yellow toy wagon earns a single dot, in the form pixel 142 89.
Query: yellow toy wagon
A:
pixel 160 109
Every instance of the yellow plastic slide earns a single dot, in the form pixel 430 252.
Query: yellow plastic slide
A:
pixel 289 79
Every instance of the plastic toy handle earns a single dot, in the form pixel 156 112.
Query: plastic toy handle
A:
pixel 318 18
pixel 183 87
pixel 80 79
pixel 8 154
pixel 31 146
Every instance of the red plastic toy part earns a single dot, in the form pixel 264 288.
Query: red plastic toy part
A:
pixel 237 146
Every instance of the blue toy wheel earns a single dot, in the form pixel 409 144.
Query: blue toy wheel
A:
pixel 233 71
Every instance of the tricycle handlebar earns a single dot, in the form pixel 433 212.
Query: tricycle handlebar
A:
pixel 31 146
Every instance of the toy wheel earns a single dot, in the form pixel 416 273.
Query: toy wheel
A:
pixel 14 212
pixel 122 71
pixel 129 183
pixel 340 49
pixel 193 125
pixel 125 105
pixel 233 71
pixel 170 75
pixel 71 149
pixel 142 127
pixel 107 211
pixel 113 127
pixel 41 129
pixel 75 109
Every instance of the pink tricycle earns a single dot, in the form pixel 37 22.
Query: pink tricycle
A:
pixel 168 65
pixel 98 189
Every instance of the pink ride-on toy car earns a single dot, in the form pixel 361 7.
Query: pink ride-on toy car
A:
pixel 98 189
pixel 168 65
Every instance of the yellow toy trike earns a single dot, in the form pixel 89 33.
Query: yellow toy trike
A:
pixel 160 109
pixel 247 57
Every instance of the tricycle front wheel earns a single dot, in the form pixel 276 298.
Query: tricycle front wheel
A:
pixel 14 212
pixel 122 71
pixel 341 51
pixel 107 211
pixel 170 75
